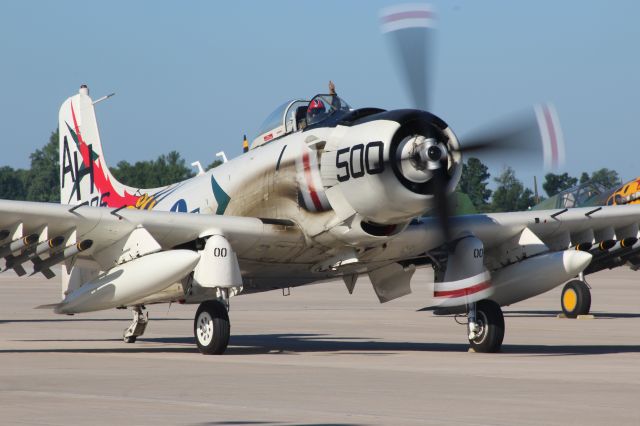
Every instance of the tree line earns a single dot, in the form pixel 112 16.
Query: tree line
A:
pixel 41 182
pixel 510 193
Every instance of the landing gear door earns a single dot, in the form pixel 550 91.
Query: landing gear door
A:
pixel 218 265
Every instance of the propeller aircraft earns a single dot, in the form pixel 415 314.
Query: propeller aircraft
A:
pixel 325 192
pixel 607 251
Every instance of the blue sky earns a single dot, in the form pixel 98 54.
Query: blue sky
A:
pixel 196 76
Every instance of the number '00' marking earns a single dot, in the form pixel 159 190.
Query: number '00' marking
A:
pixel 220 252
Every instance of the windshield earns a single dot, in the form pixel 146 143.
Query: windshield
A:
pixel 274 119
pixel 323 106
pixel 581 196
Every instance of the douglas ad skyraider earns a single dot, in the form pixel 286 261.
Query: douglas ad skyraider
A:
pixel 325 192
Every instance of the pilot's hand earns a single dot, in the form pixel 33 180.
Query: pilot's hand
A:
pixel 332 88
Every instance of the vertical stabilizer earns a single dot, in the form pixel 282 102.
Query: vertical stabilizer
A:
pixel 84 175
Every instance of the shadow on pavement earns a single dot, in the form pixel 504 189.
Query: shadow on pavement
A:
pixel 301 343
pixel 237 422
pixel 250 422
pixel 72 319
pixel 555 313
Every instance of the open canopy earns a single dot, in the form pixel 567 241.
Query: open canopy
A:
pixel 296 115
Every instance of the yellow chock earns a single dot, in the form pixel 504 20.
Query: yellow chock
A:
pixel 588 316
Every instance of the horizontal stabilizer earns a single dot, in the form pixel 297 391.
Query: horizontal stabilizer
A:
pixel 49 306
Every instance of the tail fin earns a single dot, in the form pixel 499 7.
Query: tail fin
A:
pixel 84 175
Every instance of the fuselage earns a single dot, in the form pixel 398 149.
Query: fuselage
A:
pixel 280 182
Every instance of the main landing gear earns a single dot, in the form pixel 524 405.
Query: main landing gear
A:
pixel 575 299
pixel 211 327
pixel 486 326
pixel 137 327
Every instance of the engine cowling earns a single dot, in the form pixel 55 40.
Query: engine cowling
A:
pixel 381 167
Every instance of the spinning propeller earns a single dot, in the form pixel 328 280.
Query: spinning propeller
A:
pixel 410 30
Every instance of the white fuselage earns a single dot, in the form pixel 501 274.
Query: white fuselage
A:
pixel 268 182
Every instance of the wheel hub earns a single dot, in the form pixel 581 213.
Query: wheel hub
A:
pixel 570 299
pixel 205 328
pixel 480 328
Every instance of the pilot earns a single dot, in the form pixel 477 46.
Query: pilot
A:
pixel 316 109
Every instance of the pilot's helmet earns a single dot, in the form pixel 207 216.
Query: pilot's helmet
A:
pixel 315 108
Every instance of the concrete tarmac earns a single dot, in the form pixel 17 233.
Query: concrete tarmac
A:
pixel 322 356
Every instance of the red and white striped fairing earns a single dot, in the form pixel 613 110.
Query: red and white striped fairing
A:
pixel 461 292
pixel 309 181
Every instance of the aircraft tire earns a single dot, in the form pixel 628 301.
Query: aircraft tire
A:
pixel 575 299
pixel 130 339
pixel 211 328
pixel 491 320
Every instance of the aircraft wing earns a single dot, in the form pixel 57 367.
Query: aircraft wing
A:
pixel 516 248
pixel 38 224
pixel 558 229
pixel 609 234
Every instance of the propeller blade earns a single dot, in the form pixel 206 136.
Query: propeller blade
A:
pixel 534 136
pixel 410 31
pixel 441 200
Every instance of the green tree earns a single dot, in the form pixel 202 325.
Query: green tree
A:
pixel 556 183
pixel 165 170
pixel 11 184
pixel 135 175
pixel 43 179
pixel 214 164
pixel 584 177
pixel 171 168
pixel 526 200
pixel 474 181
pixel 606 177
pixel 510 195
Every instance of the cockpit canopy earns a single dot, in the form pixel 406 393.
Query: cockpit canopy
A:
pixel 323 106
pixel 296 115
pixel 585 194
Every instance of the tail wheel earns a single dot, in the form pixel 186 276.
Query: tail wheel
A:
pixel 491 322
pixel 211 328
pixel 575 299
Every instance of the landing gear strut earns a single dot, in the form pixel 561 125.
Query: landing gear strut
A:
pixel 211 327
pixel 486 326
pixel 575 299
pixel 137 327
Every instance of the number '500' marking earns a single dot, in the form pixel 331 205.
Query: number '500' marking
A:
pixel 355 161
